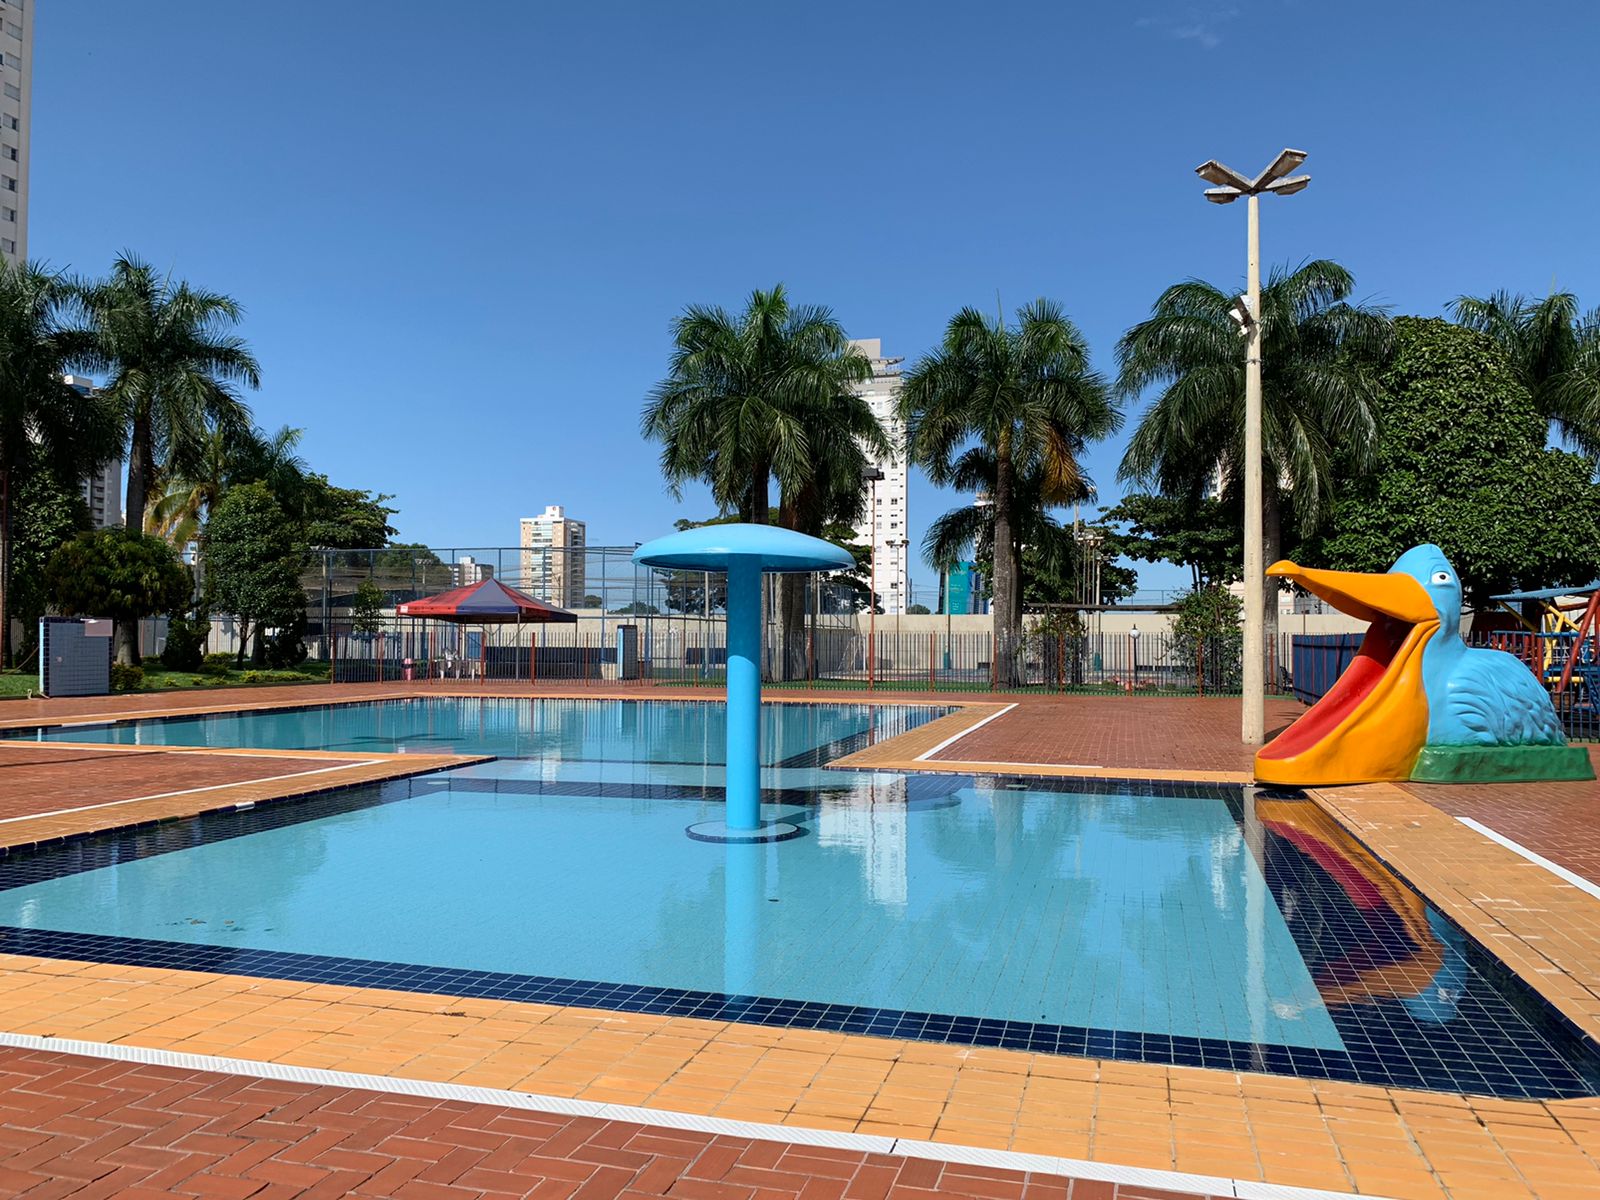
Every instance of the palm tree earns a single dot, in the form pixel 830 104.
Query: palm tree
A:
pixel 970 527
pixel 1027 397
pixel 746 398
pixel 182 502
pixel 44 423
pixel 1318 391
pixel 767 396
pixel 173 370
pixel 173 365
pixel 1554 350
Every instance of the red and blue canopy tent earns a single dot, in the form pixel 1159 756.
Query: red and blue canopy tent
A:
pixel 488 602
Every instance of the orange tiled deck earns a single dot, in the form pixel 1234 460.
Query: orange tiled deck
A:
pixel 1236 1126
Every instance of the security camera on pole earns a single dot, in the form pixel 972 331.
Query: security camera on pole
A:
pixel 1229 185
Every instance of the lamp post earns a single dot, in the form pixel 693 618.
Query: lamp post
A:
pixel 871 475
pixel 1133 640
pixel 1228 186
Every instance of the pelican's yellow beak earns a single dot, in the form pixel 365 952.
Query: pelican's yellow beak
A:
pixel 1369 597
pixel 1371 724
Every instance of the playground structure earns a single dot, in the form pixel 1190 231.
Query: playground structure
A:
pixel 1563 646
pixel 744 553
pixel 1417 702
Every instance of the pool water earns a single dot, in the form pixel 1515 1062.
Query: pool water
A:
pixel 1163 923
pixel 663 732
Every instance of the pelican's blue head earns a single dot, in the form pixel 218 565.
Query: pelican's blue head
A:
pixel 1429 567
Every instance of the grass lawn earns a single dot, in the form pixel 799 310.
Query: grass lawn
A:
pixel 14 685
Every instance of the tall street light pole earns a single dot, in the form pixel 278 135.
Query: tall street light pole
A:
pixel 1228 186
pixel 871 475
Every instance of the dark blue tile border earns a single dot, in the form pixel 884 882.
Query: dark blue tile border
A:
pixel 1553 1081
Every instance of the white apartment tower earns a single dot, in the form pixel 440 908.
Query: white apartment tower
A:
pixel 467 570
pixel 102 491
pixel 552 557
pixel 16 74
pixel 885 525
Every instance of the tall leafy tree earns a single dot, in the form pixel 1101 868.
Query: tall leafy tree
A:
pixel 1205 534
pixel 1554 350
pixel 45 512
pixel 44 424
pixel 121 574
pixel 175 366
pixel 751 398
pixel 1464 461
pixel 1321 359
pixel 255 565
pixel 996 404
pixel 763 397
pixel 183 501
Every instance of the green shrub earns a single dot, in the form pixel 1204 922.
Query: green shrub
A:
pixel 216 664
pixel 1206 635
pixel 186 644
pixel 125 678
pixel 286 647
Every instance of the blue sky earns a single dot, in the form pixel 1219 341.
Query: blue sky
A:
pixel 461 231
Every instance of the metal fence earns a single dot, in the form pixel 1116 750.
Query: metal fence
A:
pixel 817 633
pixel 673 653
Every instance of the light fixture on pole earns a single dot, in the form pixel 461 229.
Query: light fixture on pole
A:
pixel 1227 186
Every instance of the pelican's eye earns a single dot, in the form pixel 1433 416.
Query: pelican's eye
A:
pixel 1441 577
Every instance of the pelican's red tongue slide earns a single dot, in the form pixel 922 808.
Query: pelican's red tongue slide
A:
pixel 1348 691
pixel 1372 723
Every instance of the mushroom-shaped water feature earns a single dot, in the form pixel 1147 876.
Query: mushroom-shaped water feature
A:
pixel 745 553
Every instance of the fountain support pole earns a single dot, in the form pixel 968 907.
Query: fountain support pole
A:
pixel 743 778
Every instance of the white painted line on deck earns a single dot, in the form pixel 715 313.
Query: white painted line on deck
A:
pixel 64 812
pixel 1556 869
pixel 954 738
pixel 865 1143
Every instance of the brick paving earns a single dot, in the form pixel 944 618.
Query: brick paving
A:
pixel 85 1128
pixel 1134 732
pixel 40 778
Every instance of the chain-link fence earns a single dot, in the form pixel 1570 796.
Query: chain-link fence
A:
pixel 668 628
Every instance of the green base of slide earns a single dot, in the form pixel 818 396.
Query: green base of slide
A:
pixel 1501 764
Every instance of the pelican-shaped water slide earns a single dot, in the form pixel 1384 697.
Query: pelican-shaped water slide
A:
pixel 1417 702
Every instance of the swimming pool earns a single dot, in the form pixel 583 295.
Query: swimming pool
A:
pixel 1163 923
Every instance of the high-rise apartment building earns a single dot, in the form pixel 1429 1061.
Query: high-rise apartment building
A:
pixel 16 74
pixel 102 491
pixel 885 525
pixel 467 570
pixel 552 557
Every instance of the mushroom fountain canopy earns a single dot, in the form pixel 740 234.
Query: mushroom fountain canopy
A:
pixel 715 547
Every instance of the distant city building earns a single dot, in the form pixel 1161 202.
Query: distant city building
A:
pixel 102 491
pixel 467 570
pixel 886 520
pixel 16 77
pixel 552 557
pixel 961 590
